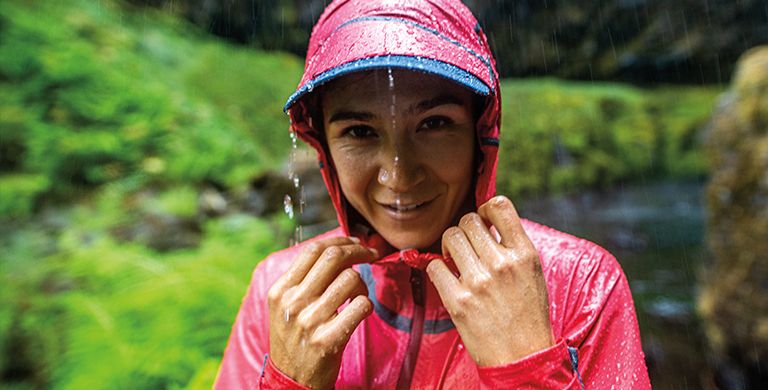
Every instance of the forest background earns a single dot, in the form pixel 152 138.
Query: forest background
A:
pixel 145 162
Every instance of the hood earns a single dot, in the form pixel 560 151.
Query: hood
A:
pixel 439 37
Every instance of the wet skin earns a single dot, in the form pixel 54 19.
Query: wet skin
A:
pixel 409 175
pixel 403 151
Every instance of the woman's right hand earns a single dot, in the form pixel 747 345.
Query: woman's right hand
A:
pixel 307 333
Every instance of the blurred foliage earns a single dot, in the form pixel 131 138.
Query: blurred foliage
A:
pixel 90 93
pixel 562 136
pixel 114 118
pixel 649 41
pixel 82 311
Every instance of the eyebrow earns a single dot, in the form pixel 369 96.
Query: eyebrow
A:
pixel 436 101
pixel 417 108
pixel 351 115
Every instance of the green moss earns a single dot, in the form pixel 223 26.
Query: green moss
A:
pixel 562 136
pixel 18 191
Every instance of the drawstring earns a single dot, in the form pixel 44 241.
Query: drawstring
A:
pixel 413 258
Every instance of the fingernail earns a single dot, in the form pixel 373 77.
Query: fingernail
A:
pixel 355 240
pixel 375 252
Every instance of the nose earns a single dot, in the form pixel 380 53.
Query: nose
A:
pixel 401 171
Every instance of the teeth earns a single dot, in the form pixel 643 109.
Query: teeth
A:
pixel 406 208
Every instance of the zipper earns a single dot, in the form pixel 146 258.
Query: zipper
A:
pixel 417 330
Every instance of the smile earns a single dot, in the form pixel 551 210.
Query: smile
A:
pixel 403 208
pixel 406 210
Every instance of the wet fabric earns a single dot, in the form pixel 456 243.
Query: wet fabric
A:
pixel 591 308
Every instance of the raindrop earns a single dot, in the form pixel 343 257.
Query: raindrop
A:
pixel 288 206
pixel 383 175
pixel 392 93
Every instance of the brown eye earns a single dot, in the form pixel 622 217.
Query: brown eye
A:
pixel 435 122
pixel 360 132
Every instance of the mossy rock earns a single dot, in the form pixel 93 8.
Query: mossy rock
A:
pixel 734 297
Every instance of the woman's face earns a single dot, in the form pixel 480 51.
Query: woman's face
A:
pixel 403 145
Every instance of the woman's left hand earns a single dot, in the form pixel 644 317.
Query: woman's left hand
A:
pixel 499 302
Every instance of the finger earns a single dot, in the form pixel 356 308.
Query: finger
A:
pixel 347 285
pixel 501 213
pixel 333 260
pixel 338 331
pixel 481 238
pixel 307 258
pixel 446 284
pixel 456 245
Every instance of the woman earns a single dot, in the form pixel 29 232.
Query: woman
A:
pixel 430 281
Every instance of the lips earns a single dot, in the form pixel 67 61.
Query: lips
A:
pixel 399 207
pixel 405 210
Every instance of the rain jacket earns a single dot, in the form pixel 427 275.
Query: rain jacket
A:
pixel 410 340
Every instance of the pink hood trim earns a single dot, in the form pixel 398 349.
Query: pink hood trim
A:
pixel 431 36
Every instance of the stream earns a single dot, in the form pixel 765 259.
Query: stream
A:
pixel 656 231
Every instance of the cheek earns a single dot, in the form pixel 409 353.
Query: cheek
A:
pixel 453 163
pixel 355 175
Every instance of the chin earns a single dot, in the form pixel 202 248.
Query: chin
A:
pixel 410 241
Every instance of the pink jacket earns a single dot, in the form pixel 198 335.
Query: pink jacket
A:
pixel 591 312
pixel 410 340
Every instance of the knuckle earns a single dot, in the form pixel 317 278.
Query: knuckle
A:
pixel 504 267
pixel 314 248
pixel 366 305
pixel 469 219
pixel 464 300
pixel 351 276
pixel 274 295
pixel 481 283
pixel 333 252
pixel 304 321
pixel 323 340
pixel 499 201
pixel 450 233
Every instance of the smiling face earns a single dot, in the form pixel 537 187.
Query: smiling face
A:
pixel 403 147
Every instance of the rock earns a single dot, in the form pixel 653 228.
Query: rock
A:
pixel 734 293
pixel 161 232
pixel 211 202
pixel 309 197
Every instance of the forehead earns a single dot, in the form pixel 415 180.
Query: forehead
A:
pixel 377 88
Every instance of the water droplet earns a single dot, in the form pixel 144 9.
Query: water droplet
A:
pixel 288 206
pixel 392 110
pixel 383 175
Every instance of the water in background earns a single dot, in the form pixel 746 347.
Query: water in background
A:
pixel 656 232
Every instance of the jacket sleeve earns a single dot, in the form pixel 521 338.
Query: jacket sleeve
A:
pixel 246 364
pixel 599 339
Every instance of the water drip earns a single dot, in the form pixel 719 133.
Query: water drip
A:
pixel 398 201
pixel 288 206
pixel 383 175
pixel 392 105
